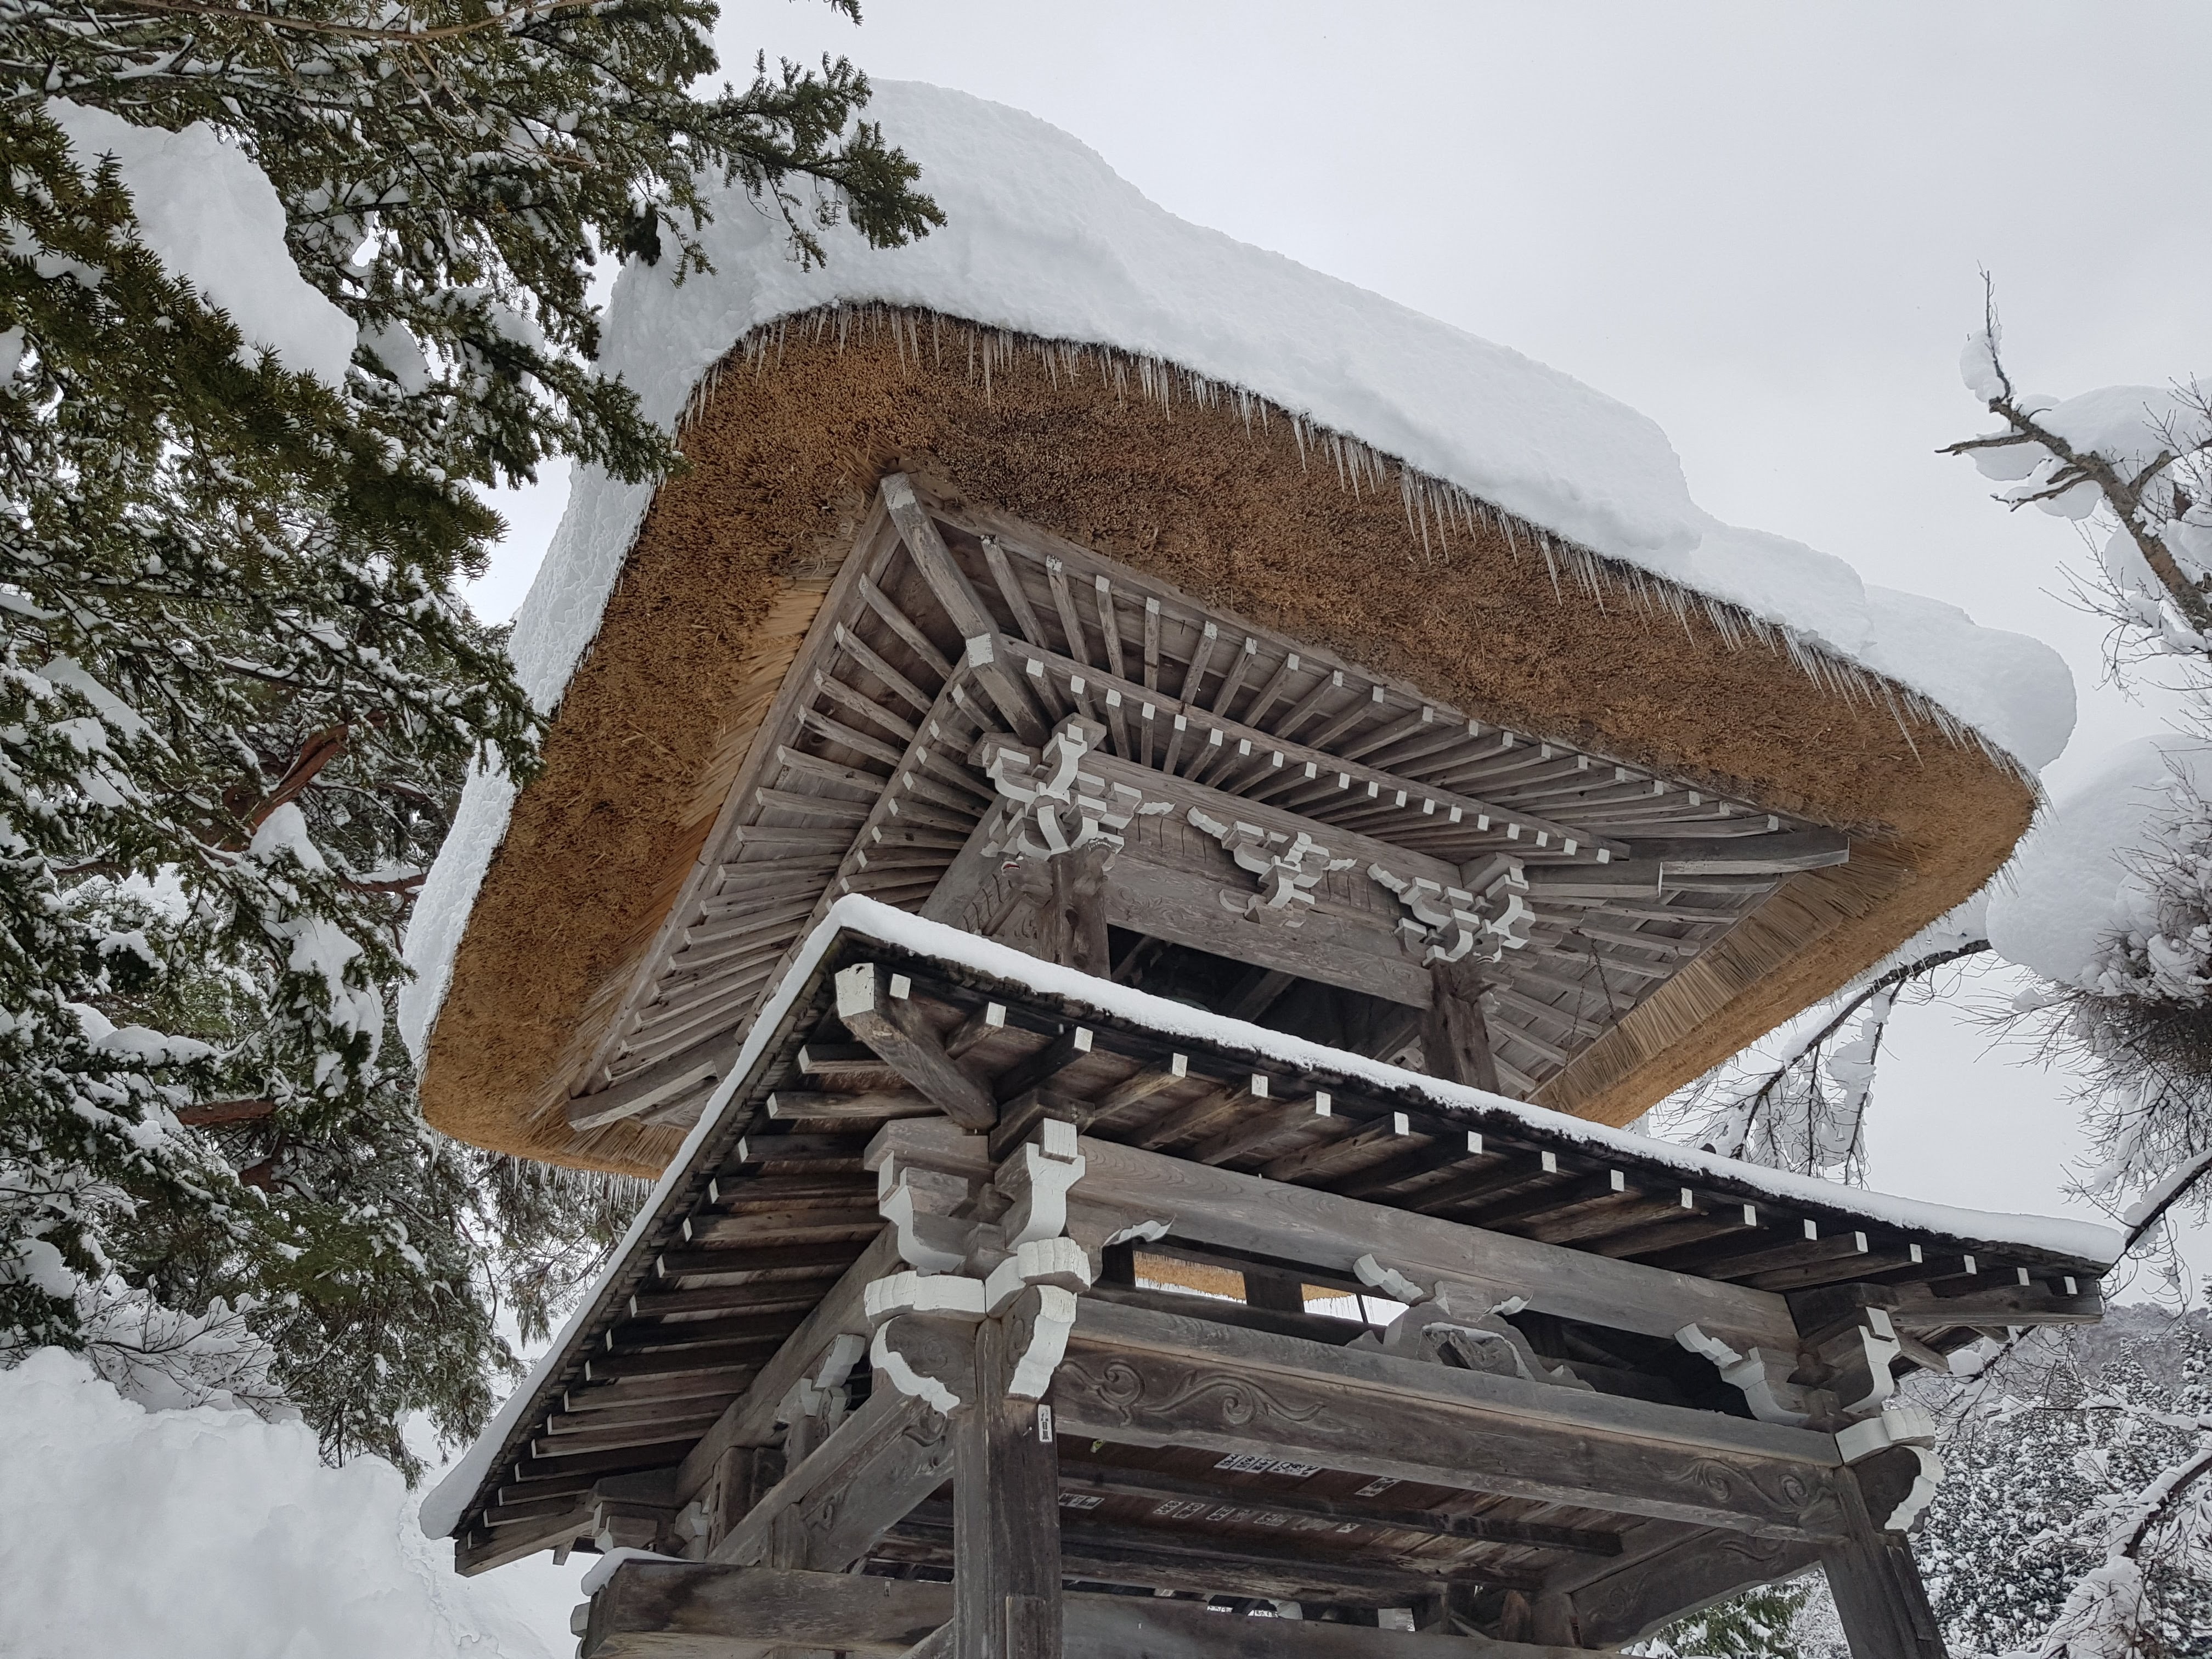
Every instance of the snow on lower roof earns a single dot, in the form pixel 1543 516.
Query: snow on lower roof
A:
pixel 856 914
pixel 1043 238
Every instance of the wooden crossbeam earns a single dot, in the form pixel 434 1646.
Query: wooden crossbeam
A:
pixel 1473 813
pixel 1301 1225
pixel 698 1610
pixel 1115 1481
pixel 873 1469
pixel 1636 1599
pixel 691 1072
pixel 1134 1377
pixel 894 1028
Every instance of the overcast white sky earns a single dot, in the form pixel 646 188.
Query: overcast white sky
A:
pixel 1762 226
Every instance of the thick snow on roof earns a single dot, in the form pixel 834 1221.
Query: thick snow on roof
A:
pixel 1044 238
pixel 859 916
pixel 2075 887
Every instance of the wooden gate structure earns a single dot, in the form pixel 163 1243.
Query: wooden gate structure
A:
pixel 1092 1036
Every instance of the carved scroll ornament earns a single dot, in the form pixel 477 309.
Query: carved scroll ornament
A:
pixel 1287 868
pixel 1051 805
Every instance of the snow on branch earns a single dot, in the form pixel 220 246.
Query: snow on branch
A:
pixel 2142 456
pixel 1805 1110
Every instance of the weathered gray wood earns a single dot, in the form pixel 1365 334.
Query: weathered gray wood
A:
pixel 871 1471
pixel 1338 944
pixel 1299 1224
pixel 924 545
pixel 1780 854
pixel 750 1419
pixel 1296 756
pixel 694 1071
pixel 692 1610
pixel 1007 1596
pixel 1074 930
pixel 894 1029
pixel 695 1610
pixel 1637 1599
pixel 876 1106
pixel 1455 1037
pixel 1146 1378
pixel 1110 1480
pixel 1880 1599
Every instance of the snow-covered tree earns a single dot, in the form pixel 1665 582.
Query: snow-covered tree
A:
pixel 283 287
pixel 2074 1522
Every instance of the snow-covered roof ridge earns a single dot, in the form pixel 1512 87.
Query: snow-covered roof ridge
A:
pixel 856 914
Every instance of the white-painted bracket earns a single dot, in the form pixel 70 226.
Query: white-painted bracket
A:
pixel 1901 1425
pixel 918 1200
pixel 1762 1376
pixel 954 1296
pixel 1451 924
pixel 1051 805
pixel 1059 1261
pixel 1287 868
pixel 934 1391
pixel 1048 1319
pixel 1037 1178
pixel 1388 1281
pixel 1878 1349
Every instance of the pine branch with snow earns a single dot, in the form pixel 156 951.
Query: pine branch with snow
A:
pixel 281 288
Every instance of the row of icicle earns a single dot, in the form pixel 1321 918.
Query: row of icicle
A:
pixel 1434 506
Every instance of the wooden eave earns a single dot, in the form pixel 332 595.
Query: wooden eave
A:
pixel 751 1258
pixel 860 780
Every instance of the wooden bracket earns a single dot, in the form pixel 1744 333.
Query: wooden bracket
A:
pixel 881 1016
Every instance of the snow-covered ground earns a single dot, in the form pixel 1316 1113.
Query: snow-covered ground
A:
pixel 210 1533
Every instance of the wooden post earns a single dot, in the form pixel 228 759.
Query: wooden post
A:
pixel 1006 1517
pixel 1455 1038
pixel 1880 1598
pixel 1074 924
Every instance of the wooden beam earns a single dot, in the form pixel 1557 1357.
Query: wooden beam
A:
pixel 894 1028
pixel 691 1072
pixel 750 1420
pixel 871 1471
pixel 1880 1599
pixel 1636 1600
pixel 1779 854
pixel 1074 922
pixel 1293 1225
pixel 693 1610
pixel 1006 1597
pixel 1504 822
pixel 1136 1377
pixel 1114 1480
pixel 1455 1037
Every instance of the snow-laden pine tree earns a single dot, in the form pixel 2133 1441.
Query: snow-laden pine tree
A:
pixel 283 287
pixel 2074 1521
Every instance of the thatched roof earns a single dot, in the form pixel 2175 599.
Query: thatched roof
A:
pixel 733 562
pixel 1239 446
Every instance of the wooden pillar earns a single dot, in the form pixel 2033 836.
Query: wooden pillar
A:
pixel 1879 1596
pixel 1006 1518
pixel 1074 925
pixel 1455 1038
